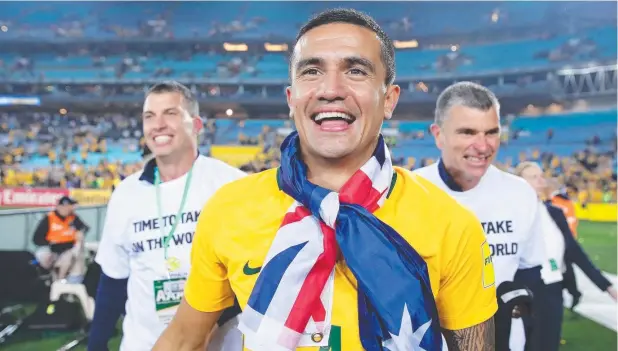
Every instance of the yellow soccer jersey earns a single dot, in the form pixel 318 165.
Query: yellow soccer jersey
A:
pixel 237 226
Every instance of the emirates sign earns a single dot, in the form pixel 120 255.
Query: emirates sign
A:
pixel 31 197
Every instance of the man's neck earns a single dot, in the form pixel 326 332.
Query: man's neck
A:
pixel 464 183
pixel 468 184
pixel 175 166
pixel 333 174
pixel 331 177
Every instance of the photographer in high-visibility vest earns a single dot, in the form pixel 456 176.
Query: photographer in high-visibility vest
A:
pixel 559 197
pixel 60 237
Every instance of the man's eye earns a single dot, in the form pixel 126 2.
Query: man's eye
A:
pixel 467 132
pixel 310 71
pixel 358 71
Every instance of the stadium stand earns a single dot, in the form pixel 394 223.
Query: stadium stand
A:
pixel 540 49
pixel 241 20
pixel 73 76
pixel 82 66
pixel 103 52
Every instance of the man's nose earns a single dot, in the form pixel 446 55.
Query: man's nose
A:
pixel 158 122
pixel 332 87
pixel 481 143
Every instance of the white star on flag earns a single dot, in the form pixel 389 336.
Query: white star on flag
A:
pixel 407 340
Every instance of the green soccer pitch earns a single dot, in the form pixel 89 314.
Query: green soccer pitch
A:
pixel 578 333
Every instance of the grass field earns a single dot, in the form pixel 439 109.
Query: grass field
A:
pixel 579 333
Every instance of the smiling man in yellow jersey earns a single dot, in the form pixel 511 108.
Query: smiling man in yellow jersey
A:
pixel 409 269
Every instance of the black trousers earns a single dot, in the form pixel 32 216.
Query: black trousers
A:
pixel 550 312
pixel 502 321
pixel 504 318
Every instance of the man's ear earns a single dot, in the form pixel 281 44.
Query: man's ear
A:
pixel 288 97
pixel 436 131
pixel 391 99
pixel 198 125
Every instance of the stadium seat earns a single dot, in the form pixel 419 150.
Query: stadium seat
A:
pixel 59 288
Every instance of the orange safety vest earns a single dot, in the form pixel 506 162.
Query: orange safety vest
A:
pixel 568 208
pixel 60 231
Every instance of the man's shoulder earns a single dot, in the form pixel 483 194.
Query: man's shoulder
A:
pixel 506 183
pixel 246 191
pixel 219 168
pixel 417 181
pixel 427 171
pixel 430 174
pixel 422 202
pixel 129 184
pixel 237 209
pixel 418 189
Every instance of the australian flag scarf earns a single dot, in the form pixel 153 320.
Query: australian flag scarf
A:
pixel 290 305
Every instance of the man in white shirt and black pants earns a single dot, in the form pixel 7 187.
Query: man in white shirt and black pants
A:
pixel 467 131
pixel 145 247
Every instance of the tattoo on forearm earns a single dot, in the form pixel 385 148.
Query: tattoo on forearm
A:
pixel 480 337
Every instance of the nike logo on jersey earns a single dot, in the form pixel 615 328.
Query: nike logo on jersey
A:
pixel 498 227
pixel 250 271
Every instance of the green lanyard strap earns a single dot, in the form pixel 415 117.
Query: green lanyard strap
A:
pixel 166 238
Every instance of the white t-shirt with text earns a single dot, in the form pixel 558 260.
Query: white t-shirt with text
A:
pixel 507 207
pixel 132 245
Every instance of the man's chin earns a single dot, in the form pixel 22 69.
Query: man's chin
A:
pixel 476 172
pixel 162 154
pixel 334 153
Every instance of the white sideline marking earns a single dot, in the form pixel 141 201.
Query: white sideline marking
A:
pixel 595 304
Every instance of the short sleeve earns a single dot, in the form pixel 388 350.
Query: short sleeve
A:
pixel 467 294
pixel 533 248
pixel 208 288
pixel 112 255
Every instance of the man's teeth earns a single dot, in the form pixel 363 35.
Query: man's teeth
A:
pixel 476 159
pixel 162 139
pixel 333 115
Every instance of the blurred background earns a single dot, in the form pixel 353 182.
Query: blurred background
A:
pixel 73 77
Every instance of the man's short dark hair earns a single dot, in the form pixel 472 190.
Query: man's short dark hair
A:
pixel 190 101
pixel 358 18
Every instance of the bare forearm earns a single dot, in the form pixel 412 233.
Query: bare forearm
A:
pixel 480 337
pixel 173 339
pixel 188 330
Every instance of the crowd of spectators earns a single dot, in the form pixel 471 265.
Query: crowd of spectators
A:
pixel 66 140
pixel 588 176
pixel 75 151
